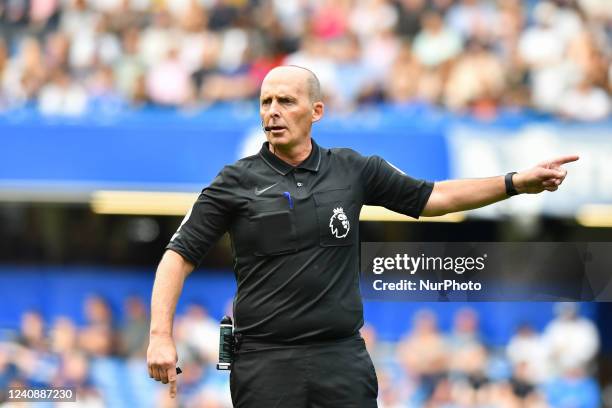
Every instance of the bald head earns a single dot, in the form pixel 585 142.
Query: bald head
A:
pixel 289 103
pixel 296 74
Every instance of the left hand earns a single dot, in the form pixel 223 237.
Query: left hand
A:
pixel 547 175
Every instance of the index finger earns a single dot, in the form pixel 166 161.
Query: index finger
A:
pixel 565 159
pixel 172 381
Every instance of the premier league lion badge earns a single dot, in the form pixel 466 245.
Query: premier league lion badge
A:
pixel 339 223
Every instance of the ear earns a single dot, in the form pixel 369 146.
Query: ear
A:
pixel 318 109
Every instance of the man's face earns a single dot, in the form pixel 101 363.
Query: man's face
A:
pixel 285 106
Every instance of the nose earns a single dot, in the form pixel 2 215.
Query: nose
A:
pixel 274 110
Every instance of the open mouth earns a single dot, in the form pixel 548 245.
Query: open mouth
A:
pixel 276 130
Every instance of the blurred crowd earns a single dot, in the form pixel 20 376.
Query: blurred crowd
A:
pixel 432 369
pixel 104 360
pixel 68 57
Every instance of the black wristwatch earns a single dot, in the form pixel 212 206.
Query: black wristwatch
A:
pixel 510 190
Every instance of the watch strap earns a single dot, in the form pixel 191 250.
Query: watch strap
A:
pixel 510 189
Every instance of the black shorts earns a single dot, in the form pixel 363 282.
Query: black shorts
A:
pixel 334 374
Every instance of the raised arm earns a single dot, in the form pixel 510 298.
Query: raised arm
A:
pixel 161 354
pixel 460 195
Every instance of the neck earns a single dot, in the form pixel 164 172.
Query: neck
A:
pixel 294 155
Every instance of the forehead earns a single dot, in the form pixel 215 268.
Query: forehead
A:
pixel 284 82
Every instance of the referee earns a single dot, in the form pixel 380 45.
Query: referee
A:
pixel 292 212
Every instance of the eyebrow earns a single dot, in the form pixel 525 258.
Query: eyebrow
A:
pixel 281 97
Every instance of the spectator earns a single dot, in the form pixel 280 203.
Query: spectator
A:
pixel 596 9
pixel 371 17
pixel 436 44
pixel 586 102
pixel 127 15
pixel 528 352
pixel 32 333
pixel 379 52
pixel 476 81
pixel 103 94
pixel 77 18
pixel 225 14
pixel 586 58
pixel 140 97
pixel 200 333
pixel 291 14
pixel 62 96
pixel 129 66
pixel 572 340
pixel 208 65
pixel 43 16
pixel 402 85
pixel 465 329
pixel 423 353
pixel 541 50
pixel 194 39
pixel 330 19
pixel 97 338
pixel 410 14
pixel 24 73
pixel 157 39
pixel 96 46
pixel 313 54
pixel 75 373
pixel 539 45
pixel 353 79
pixel 134 333
pixel 63 336
pixel 473 19
pixel 14 17
pixel 168 83
pixel 57 52
pixel 467 355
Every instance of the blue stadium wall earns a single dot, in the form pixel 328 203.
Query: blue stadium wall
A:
pixel 160 150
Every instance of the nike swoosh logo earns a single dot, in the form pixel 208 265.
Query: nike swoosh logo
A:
pixel 263 190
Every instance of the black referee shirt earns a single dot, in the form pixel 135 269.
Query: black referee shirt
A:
pixel 295 237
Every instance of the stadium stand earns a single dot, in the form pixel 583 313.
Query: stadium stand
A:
pixel 69 57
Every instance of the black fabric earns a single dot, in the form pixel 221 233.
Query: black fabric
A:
pixel 295 237
pixel 334 374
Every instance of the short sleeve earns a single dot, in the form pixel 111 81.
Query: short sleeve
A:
pixel 208 219
pixel 387 186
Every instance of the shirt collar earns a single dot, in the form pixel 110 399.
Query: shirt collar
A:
pixel 312 162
